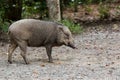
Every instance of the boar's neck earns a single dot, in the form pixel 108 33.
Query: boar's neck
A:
pixel 51 37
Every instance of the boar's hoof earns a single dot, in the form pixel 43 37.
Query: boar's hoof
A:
pixel 50 61
pixel 27 62
pixel 10 61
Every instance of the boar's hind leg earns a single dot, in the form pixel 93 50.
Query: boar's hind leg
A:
pixel 49 50
pixel 23 47
pixel 12 47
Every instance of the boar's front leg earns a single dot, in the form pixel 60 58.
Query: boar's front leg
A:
pixel 49 51
pixel 23 47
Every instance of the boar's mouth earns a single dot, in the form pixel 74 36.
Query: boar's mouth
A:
pixel 72 46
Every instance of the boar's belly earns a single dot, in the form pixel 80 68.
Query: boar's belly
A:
pixel 36 41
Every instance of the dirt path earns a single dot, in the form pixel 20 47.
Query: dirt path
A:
pixel 97 58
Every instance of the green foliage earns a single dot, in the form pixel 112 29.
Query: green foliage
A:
pixel 93 1
pixel 1 13
pixel 118 8
pixel 4 26
pixel 71 2
pixel 74 28
pixel 2 8
pixel 104 11
pixel 34 9
pixel 89 1
pixel 88 9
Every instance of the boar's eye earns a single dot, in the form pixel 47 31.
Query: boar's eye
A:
pixel 66 36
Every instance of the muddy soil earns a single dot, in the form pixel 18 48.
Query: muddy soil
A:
pixel 97 58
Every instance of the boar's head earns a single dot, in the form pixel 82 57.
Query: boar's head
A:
pixel 65 37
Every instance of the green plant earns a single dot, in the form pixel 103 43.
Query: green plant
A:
pixel 117 13
pixel 91 1
pixel 74 28
pixel 88 9
pixel 118 7
pixel 104 11
pixel 34 9
pixel 4 26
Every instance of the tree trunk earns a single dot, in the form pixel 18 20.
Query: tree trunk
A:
pixel 75 5
pixel 13 10
pixel 54 9
pixel 61 8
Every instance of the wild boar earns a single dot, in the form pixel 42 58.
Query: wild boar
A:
pixel 37 33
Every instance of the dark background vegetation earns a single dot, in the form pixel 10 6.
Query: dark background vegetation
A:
pixel 73 10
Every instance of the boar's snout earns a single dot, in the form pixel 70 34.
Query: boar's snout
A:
pixel 72 45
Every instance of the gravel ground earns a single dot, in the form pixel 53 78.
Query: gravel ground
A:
pixel 97 58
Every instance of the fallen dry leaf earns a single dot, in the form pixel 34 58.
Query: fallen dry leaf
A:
pixel 42 65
